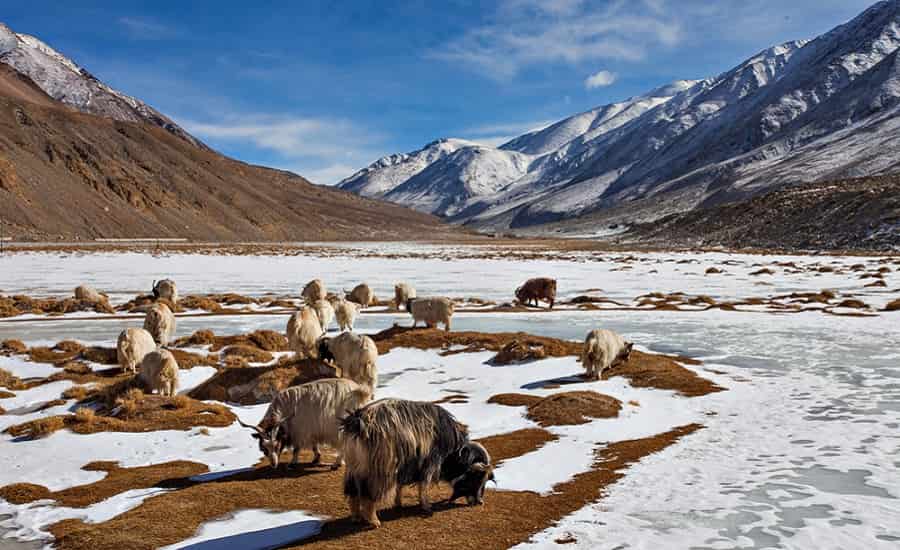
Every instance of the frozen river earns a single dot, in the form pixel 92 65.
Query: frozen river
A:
pixel 803 451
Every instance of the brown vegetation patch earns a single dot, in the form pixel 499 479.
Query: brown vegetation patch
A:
pixel 251 353
pixel 148 413
pixel 563 409
pixel 763 271
pixel 187 360
pixel 453 398
pixel 426 338
pixel 266 340
pixel 10 381
pixel 117 480
pixel 200 302
pixel 853 304
pixel 893 305
pixel 5 394
pixel 102 355
pixel 11 306
pixel 647 370
pixel 13 347
pixel 519 352
pixel 254 385
pixel 142 303
pixel 508 517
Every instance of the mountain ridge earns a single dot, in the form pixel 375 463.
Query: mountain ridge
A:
pixel 776 118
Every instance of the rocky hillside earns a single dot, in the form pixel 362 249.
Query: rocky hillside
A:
pixel 855 214
pixel 806 110
pixel 65 174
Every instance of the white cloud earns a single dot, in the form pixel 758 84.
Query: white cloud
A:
pixel 320 149
pixel 525 32
pixel 144 28
pixel 599 79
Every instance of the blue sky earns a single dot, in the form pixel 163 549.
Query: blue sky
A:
pixel 324 88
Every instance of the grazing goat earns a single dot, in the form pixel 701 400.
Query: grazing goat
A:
pixel 346 312
pixel 314 291
pixel 325 312
pixel 391 443
pixel 303 333
pixel 402 293
pixel 160 323
pixel 540 288
pixel 602 349
pixel 431 311
pixel 159 372
pixel 307 416
pixel 88 294
pixel 167 289
pixel 354 354
pixel 131 347
pixel 361 294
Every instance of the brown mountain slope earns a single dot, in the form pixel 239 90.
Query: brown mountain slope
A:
pixel 855 214
pixel 67 175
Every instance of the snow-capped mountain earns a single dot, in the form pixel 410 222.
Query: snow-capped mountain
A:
pixel 63 80
pixel 800 111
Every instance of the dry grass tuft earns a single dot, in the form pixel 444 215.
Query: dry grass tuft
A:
pixel 893 305
pixel 181 401
pixel 251 353
pixel 10 381
pixel 85 415
pixel 563 409
pixel 76 367
pixel 13 346
pixel 78 393
pixel 519 352
pixel 200 302
pixel 36 429
pixel 104 356
pixel 254 385
pixel 199 338
pixel 187 360
pixel 69 346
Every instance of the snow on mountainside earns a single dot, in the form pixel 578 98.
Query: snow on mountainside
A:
pixel 63 80
pixel 799 111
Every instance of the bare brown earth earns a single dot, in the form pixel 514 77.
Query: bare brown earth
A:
pixel 508 517
pixel 74 176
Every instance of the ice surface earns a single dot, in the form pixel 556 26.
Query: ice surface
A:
pixel 800 452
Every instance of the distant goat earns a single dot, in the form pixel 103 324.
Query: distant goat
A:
pixel 402 293
pixel 131 347
pixel 540 288
pixel 160 323
pixel 361 294
pixel 314 291
pixel 159 372
pixel 355 354
pixel 602 349
pixel 167 289
pixel 431 311
pixel 303 333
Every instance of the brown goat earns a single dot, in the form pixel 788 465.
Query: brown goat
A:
pixel 540 288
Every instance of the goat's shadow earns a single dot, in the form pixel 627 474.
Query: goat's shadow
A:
pixel 560 381
pixel 264 539
pixel 338 528
pixel 244 474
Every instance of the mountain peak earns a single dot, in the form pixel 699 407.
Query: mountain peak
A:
pixel 65 81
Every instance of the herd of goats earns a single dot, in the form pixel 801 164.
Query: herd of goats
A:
pixel 386 444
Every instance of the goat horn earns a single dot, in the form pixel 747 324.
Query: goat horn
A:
pixel 257 428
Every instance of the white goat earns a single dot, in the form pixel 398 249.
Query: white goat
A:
pixel 602 349
pixel 307 416
pixel 355 354
pixel 131 347
pixel 402 293
pixel 303 333
pixel 160 323
pixel 431 311
pixel 159 372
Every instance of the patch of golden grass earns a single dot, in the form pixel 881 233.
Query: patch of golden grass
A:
pixel 85 415
pixel 13 346
pixel 10 381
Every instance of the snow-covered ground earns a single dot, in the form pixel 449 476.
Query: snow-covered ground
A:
pixel 802 451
